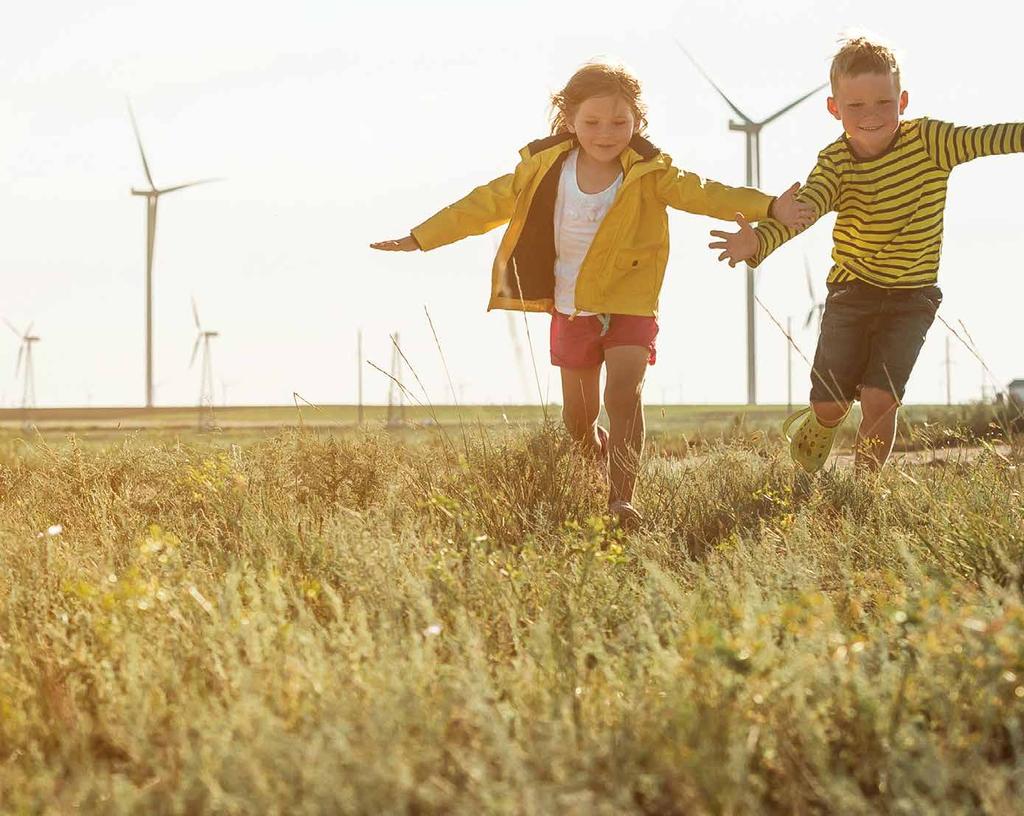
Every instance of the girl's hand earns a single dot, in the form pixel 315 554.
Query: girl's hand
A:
pixel 736 246
pixel 790 212
pixel 406 244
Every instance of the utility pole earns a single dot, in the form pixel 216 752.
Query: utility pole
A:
pixel 789 365
pixel 949 376
pixel 359 375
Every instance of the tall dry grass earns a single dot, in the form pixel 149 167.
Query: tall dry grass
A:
pixel 314 624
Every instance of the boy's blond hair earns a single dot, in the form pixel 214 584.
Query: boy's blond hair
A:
pixel 862 55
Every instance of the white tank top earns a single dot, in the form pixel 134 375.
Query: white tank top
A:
pixel 577 217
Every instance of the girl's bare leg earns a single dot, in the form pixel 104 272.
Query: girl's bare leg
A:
pixel 581 403
pixel 627 366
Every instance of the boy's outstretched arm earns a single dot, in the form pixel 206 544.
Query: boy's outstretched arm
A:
pixel 754 244
pixel 950 145
pixel 736 246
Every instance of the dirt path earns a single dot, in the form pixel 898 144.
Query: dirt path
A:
pixel 951 455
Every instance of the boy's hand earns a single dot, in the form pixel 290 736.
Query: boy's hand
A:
pixel 406 244
pixel 790 212
pixel 736 246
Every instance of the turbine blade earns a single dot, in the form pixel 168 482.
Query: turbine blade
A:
pixel 10 325
pixel 810 316
pixel 720 92
pixel 190 184
pixel 195 350
pixel 28 331
pixel 21 353
pixel 138 138
pixel 195 314
pixel 792 105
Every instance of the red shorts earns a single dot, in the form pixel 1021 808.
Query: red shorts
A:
pixel 580 342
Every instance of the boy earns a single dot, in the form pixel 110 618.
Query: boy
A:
pixel 886 179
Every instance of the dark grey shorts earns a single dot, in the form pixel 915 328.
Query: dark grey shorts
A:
pixel 870 337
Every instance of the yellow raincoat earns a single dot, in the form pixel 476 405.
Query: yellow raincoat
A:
pixel 623 270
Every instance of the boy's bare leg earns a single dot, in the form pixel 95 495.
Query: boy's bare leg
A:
pixel 627 366
pixel 581 403
pixel 830 414
pixel 877 429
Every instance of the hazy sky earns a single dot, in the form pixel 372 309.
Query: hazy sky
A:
pixel 336 124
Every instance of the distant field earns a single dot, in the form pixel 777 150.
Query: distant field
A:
pixel 288 415
pixel 672 425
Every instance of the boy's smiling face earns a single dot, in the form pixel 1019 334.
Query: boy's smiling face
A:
pixel 869 106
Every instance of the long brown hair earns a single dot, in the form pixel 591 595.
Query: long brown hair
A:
pixel 596 79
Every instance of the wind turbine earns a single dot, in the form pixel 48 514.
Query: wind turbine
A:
pixel 152 196
pixel 28 394
pixel 817 306
pixel 752 130
pixel 396 391
pixel 203 338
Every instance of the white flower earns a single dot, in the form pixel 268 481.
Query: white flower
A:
pixel 433 630
pixel 54 530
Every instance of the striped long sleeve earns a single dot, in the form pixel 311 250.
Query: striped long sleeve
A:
pixel 889 227
pixel 821 192
pixel 950 145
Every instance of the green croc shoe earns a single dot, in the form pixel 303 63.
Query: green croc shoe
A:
pixel 810 442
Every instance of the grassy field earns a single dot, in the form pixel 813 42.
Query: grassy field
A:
pixel 312 622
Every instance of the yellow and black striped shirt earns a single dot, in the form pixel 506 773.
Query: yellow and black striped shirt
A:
pixel 889 228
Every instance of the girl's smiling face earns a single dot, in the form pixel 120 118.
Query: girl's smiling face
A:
pixel 869 106
pixel 603 125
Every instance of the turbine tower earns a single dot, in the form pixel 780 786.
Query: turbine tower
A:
pixel 203 338
pixel 27 340
pixel 152 196
pixel 396 391
pixel 752 130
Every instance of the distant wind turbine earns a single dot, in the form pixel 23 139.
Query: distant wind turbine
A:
pixel 817 306
pixel 203 338
pixel 152 196
pixel 28 394
pixel 752 130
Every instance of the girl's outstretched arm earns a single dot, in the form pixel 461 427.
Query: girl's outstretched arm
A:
pixel 406 244
pixel 688 191
pixel 485 208
pixel 789 211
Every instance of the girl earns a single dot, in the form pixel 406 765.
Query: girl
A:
pixel 587 241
